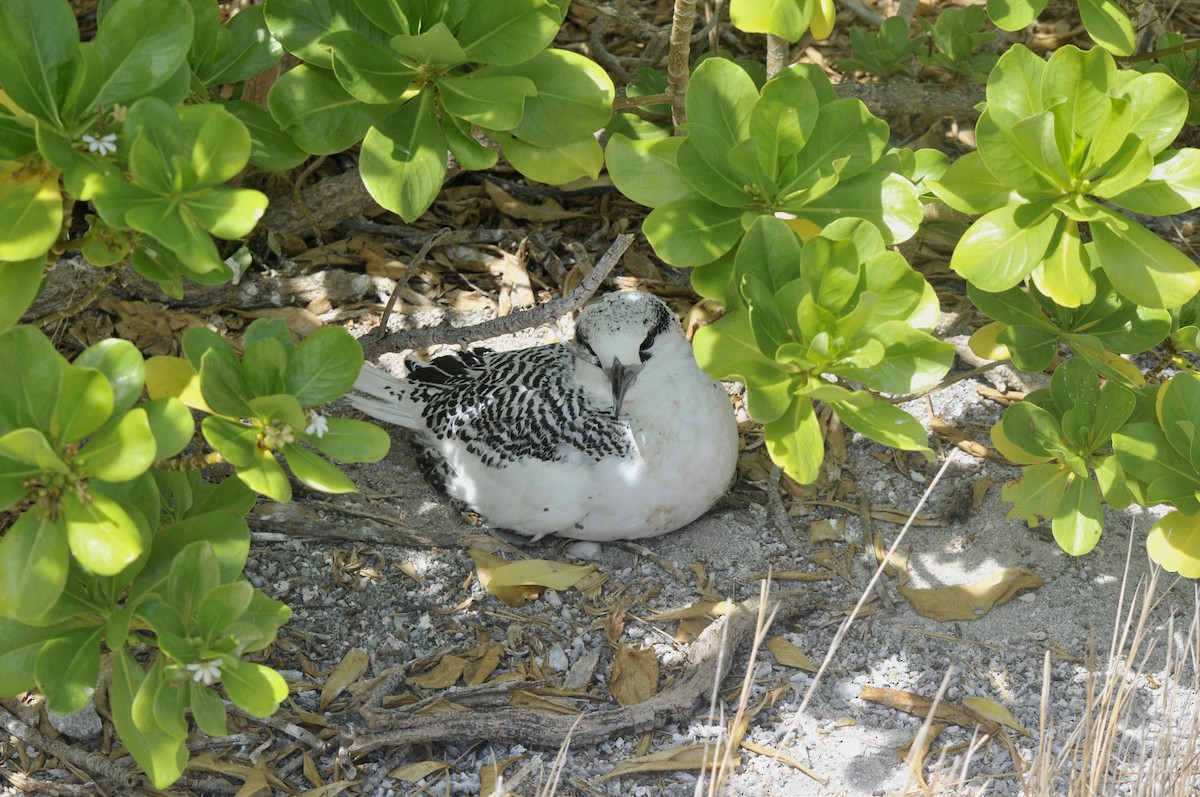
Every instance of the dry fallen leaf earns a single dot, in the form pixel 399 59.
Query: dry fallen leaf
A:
pixel 348 670
pixel 787 654
pixel 823 531
pixel 689 758
pixel 491 774
pixel 971 601
pixel 991 710
pixel 485 565
pixel 539 572
pixel 446 673
pixel 634 675
pixel 916 751
pixel 418 770
pixel 547 210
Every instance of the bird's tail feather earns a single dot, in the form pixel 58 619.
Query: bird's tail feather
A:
pixel 386 398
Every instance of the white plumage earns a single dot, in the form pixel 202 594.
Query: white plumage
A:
pixel 615 435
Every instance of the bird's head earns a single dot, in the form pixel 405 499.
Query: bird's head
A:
pixel 620 333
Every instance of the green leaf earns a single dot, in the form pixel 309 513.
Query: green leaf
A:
pixel 1172 187
pixel 38 43
pixel 33 566
pixel 220 144
pixel 1064 273
pixel 787 19
pixel 265 475
pixel 220 608
pixel 208 710
pixel 495 103
pixel 845 133
pixel 1033 430
pixel 324 366
pixel 236 442
pixel 554 165
pixel 1001 248
pixel 22 282
pixel 171 424
pixel 1159 107
pixel 282 409
pixel 321 117
pixel 1109 26
pixel 223 383
pixel 85 401
pixel 31 447
pixel 646 170
pixel 223 530
pixel 1078 518
pixel 227 213
pixel 252 49
pixel 436 46
pixel 123 367
pixel 1143 267
pixel 315 472
pixel 726 350
pixel 256 689
pixel 473 155
pixel 68 668
pixel 573 100
pixel 888 201
pixel 794 442
pixel 1015 83
pixel 29 399
pixel 720 99
pixel 885 423
pixel 370 72
pixel 1038 492
pixel 1174 543
pixel 348 440
pixel 31 211
pixel 508 32
pixel 1179 414
pixel 141 44
pixel 264 363
pixel 270 147
pixel 102 536
pixel 912 360
pixel 121 451
pixel 161 756
pixel 691 232
pixel 20 645
pixel 783 119
pixel 300 25
pixel 403 160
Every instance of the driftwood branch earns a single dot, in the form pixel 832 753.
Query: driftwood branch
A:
pixel 367 731
pixel 514 322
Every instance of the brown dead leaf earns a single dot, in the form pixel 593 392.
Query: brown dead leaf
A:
pixel 348 670
pixel 793 575
pixel 788 655
pixel 446 673
pixel 971 601
pixel 418 770
pixel 255 784
pixel 634 675
pixel 699 609
pixel 783 758
pixel 691 628
pixel 920 706
pixel 979 491
pixel 486 659
pixel 330 790
pixel 824 530
pixel 490 774
pixel 914 753
pixel 485 565
pixel 689 758
pixel 547 210
pixel 523 698
pixel 300 322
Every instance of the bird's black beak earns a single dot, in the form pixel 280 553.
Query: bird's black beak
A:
pixel 622 378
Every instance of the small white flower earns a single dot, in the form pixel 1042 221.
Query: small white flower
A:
pixel 278 436
pixel 105 145
pixel 206 672
pixel 318 424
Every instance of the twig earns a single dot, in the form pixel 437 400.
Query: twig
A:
pixel 413 263
pixel 778 52
pixel 369 730
pixel 864 13
pixel 679 57
pixel 92 294
pixel 514 322
pixel 85 760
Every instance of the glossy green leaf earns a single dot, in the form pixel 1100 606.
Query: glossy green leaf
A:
pixel 508 32
pixel 403 160
pixel 31 211
pixel 22 281
pixel 20 645
pixel 256 689
pixel 38 42
pixel 726 350
pixel 223 383
pixel 912 360
pixel 30 398
pixel 68 669
pixel 885 423
pixel 264 363
pixel 223 530
pixel 207 710
pixel 1159 108
pixel 1174 544
pixel 236 442
pixel 123 367
pixel 1142 266
pixel 1003 246
pixel 324 366
pixel 434 46
pixel 370 72
pixel 252 49
pixel 162 758
pixel 348 440
pixel 102 536
pixel 300 25
pixel 554 165
pixel 691 232
pixel 573 100
pixel 1172 187
pixel 1108 25
pixel 141 44
pixel 646 171
pixel 787 19
pixel 32 448
pixel 266 476
pixel 321 117
pixel 495 103
pixel 121 451
pixel 270 147
pixel 220 144
pixel 315 472
pixel 1179 414
pixel 888 201
pixel 1038 492
pixel 33 566
pixel 221 607
pixel 1078 519
pixel 795 443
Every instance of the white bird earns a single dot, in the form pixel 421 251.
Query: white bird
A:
pixel 617 434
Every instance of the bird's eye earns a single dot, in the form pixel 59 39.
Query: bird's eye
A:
pixel 644 349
